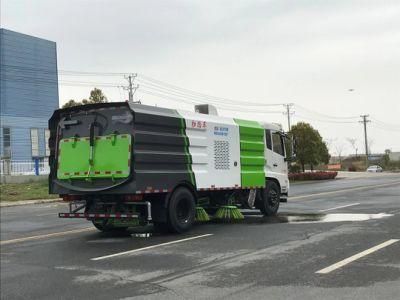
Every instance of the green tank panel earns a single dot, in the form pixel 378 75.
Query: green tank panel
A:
pixel 252 158
pixel 111 157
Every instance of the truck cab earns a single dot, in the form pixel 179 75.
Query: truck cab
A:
pixel 276 157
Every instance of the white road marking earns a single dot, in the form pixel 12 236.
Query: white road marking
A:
pixel 356 256
pixel 337 207
pixel 151 247
pixel 343 190
pixel 42 236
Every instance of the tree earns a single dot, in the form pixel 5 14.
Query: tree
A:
pixel 353 143
pixel 96 96
pixel 71 103
pixel 339 150
pixel 329 142
pixel 310 148
pixel 324 155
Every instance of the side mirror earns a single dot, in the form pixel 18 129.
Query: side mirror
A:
pixel 290 143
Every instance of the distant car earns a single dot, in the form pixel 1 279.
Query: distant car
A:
pixel 374 169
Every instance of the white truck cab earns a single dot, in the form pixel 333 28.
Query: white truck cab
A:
pixel 276 160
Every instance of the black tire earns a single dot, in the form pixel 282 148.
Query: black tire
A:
pixel 99 225
pixel 269 199
pixel 161 227
pixel 181 210
pixel 103 226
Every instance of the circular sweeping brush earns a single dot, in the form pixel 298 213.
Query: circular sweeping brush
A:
pixel 201 215
pixel 228 213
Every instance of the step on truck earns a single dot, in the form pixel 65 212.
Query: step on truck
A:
pixel 120 165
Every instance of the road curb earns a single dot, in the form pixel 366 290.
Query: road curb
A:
pixel 29 202
pixel 300 182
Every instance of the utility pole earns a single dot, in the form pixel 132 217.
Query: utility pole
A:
pixel 365 121
pixel 131 88
pixel 288 113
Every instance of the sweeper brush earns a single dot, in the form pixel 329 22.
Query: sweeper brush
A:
pixel 201 215
pixel 228 213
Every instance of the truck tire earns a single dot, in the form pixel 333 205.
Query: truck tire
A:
pixel 160 227
pixel 269 198
pixel 103 226
pixel 181 210
pixel 99 225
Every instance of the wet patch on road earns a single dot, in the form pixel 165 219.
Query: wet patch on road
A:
pixel 313 218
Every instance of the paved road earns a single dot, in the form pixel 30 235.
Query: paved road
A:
pixel 333 240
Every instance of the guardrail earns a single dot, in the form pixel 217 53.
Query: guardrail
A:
pixel 24 167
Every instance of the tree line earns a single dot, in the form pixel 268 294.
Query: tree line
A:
pixel 96 96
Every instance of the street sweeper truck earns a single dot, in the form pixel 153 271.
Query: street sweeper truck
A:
pixel 121 165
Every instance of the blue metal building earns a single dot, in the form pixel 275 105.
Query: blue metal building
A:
pixel 28 94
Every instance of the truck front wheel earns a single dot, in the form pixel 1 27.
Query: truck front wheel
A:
pixel 181 210
pixel 269 199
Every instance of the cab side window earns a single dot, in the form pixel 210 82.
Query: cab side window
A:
pixel 268 141
pixel 277 144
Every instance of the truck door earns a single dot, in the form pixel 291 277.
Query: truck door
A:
pixel 276 166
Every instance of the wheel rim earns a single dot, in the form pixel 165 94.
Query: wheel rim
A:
pixel 273 198
pixel 183 211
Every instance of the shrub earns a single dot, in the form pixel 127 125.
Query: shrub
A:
pixel 352 168
pixel 312 176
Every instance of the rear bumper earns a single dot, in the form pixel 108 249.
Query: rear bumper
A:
pixel 75 207
pixel 97 216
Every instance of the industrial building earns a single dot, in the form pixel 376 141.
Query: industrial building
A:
pixel 28 95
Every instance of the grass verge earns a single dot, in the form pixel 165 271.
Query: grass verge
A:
pixel 25 191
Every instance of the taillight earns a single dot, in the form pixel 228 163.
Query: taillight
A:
pixel 133 197
pixel 71 197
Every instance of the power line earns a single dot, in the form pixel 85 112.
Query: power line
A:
pixel 192 102
pixel 195 93
pixel 389 125
pixel 195 99
pixel 324 115
pixel 38 76
pixel 26 68
pixel 155 84
pixel 378 126
pixel 324 120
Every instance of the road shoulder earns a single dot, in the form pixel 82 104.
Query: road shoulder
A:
pixel 28 202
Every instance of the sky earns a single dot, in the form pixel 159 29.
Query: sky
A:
pixel 335 60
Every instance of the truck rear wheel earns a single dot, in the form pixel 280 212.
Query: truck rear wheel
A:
pixel 181 210
pixel 269 199
pixel 104 226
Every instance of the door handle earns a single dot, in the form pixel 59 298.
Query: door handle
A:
pixel 275 165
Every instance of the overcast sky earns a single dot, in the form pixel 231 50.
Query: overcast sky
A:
pixel 311 53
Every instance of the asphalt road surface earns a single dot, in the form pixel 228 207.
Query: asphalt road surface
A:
pixel 333 240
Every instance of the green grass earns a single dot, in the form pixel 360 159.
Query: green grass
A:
pixel 25 191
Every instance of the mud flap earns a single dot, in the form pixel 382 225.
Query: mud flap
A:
pixel 252 198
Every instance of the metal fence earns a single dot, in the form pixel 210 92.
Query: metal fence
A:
pixel 24 167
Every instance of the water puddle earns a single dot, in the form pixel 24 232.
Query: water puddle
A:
pixel 315 218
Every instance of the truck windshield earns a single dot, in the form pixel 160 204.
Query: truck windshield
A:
pixel 277 143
